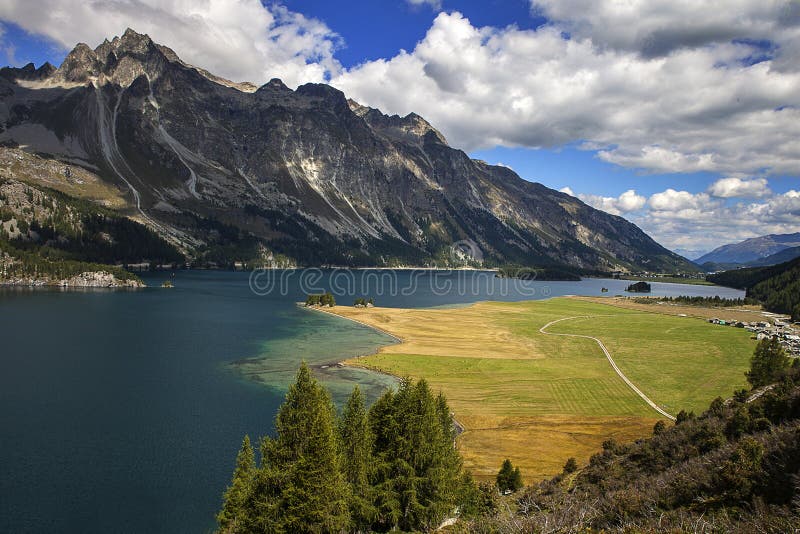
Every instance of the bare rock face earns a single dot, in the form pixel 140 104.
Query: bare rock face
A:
pixel 309 174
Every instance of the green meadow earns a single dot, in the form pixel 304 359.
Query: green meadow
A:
pixel 540 399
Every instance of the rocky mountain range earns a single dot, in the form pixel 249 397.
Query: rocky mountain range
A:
pixel 211 164
pixel 757 251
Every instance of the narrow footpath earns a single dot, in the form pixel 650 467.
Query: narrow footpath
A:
pixel 631 385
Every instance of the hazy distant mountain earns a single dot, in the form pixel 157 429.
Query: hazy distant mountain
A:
pixel 751 250
pixel 304 173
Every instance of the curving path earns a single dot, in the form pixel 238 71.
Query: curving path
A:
pixel 625 379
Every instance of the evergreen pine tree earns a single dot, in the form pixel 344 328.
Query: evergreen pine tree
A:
pixel 419 471
pixel 509 478
pixel 356 438
pixel 516 480
pixel 234 511
pixel 301 486
pixel 571 466
pixel 382 418
pixel 768 364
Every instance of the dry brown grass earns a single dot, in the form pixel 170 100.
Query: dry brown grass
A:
pixel 541 445
pixel 460 332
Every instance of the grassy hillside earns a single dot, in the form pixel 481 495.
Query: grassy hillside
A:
pixel 544 398
pixel 734 468
pixel 46 235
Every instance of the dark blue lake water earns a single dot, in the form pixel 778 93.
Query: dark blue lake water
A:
pixel 122 411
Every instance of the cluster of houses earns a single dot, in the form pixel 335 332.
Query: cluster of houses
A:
pixel 763 329
pixel 648 274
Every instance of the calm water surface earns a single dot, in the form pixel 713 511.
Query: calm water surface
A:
pixel 122 411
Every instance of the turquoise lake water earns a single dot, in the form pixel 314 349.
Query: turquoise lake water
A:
pixel 122 411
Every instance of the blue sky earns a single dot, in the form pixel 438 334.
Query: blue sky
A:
pixel 678 116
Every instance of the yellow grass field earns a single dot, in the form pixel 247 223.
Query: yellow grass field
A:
pixel 539 399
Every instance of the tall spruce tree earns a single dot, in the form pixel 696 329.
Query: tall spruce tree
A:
pixel 383 424
pixel 301 487
pixel 419 474
pixel 356 438
pixel 235 513
pixel 509 478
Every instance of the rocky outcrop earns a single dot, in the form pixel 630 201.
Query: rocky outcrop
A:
pixel 93 279
pixel 99 279
pixel 309 174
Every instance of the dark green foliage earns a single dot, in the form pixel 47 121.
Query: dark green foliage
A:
pixel 325 299
pixel 356 439
pixel 571 466
pixel 509 477
pixel 717 406
pixel 418 470
pixel 79 230
pixel 768 364
pixel 684 416
pixel 639 287
pixel 300 486
pixel 715 301
pixel 32 265
pixel 479 500
pixel 659 427
pixel 393 467
pixel 75 236
pixel 776 287
pixel 234 511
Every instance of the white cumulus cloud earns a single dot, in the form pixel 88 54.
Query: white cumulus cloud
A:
pixel 625 203
pixel 702 104
pixel 736 187
pixel 700 222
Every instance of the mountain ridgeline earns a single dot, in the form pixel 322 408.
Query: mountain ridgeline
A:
pixel 305 173
pixel 754 252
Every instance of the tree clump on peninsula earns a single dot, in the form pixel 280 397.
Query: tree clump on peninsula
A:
pixel 324 300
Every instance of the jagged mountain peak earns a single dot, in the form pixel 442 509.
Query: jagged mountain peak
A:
pixel 412 127
pixel 131 39
pixel 275 84
pixel 304 172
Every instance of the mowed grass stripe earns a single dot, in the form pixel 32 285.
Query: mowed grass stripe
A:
pixel 679 362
